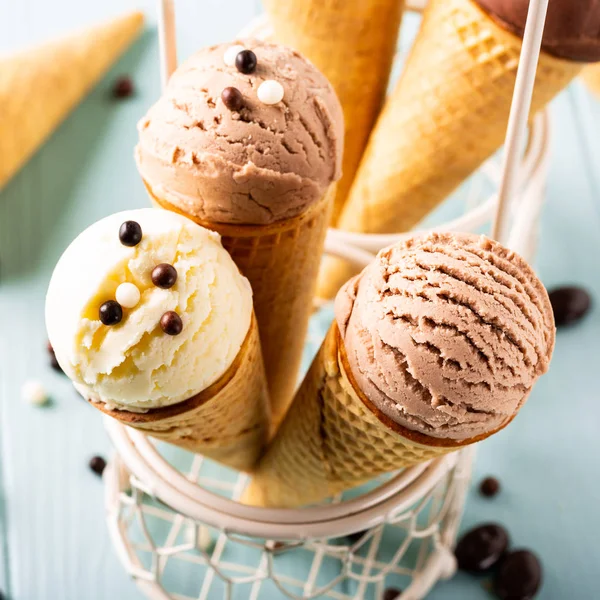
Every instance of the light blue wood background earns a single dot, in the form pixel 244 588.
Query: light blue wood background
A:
pixel 53 542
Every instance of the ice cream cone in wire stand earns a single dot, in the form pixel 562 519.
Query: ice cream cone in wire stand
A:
pixel 354 47
pixel 151 319
pixel 449 110
pixel 435 346
pixel 247 141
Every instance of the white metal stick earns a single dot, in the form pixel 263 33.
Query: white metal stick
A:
pixel 167 39
pixel 519 113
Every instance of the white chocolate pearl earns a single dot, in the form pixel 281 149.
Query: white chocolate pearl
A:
pixel 270 92
pixel 34 393
pixel 127 295
pixel 231 53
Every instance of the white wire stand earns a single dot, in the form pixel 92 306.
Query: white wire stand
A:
pixel 174 517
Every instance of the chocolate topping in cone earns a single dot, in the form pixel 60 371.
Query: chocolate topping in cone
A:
pixel 572 28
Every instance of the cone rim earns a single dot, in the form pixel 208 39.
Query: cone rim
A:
pixel 166 412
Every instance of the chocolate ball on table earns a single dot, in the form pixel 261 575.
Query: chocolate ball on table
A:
pixel 481 548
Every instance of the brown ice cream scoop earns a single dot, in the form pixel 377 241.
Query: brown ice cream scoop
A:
pixel 446 334
pixel 246 133
pixel 572 29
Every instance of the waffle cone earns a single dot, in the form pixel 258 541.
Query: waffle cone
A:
pixel 228 422
pixel 39 87
pixel 446 116
pixel 333 438
pixel 354 48
pixel 281 262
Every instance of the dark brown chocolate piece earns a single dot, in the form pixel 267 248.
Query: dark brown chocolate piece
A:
pixel 572 26
pixel 519 576
pixel 481 548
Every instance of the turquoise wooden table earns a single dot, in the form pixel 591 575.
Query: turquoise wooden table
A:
pixel 53 541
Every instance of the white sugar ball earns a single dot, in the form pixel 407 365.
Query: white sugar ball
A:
pixel 270 92
pixel 34 393
pixel 127 295
pixel 231 53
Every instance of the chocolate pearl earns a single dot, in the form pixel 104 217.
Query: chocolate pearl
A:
pixel 489 487
pixel 164 276
pixel 570 304
pixel 111 313
pixel 519 576
pixel 130 233
pixel 274 546
pixel 357 535
pixel 391 594
pixel 123 87
pixel 97 464
pixel 232 98
pixel 481 548
pixel 171 323
pixel 245 62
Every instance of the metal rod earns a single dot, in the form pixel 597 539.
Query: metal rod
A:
pixel 167 39
pixel 519 113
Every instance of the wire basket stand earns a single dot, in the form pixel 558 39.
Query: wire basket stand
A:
pixel 173 516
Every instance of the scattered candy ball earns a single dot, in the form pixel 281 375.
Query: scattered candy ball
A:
pixel 53 362
pixel 391 594
pixel 357 535
pixel 171 323
pixel 97 464
pixel 270 92
pixel 232 98
pixel 569 304
pixel 34 393
pixel 164 276
pixel 111 313
pixel 245 62
pixel 274 545
pixel 481 548
pixel 231 54
pixel 489 487
pixel 130 233
pixel 123 87
pixel 519 576
pixel 128 295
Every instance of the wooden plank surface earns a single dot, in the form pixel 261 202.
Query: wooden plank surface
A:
pixel 54 541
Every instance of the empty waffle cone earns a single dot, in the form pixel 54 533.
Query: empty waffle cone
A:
pixel 228 422
pixel 41 86
pixel 333 439
pixel 446 116
pixel 281 261
pixel 354 48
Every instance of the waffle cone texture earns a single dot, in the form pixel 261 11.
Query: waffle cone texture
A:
pixel 353 45
pixel 41 86
pixel 281 261
pixel 228 422
pixel 333 439
pixel 446 116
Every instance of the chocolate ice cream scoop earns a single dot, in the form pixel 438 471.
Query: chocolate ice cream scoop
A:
pixel 446 334
pixel 246 132
pixel 572 29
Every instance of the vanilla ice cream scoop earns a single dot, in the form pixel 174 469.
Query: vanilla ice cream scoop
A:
pixel 146 309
